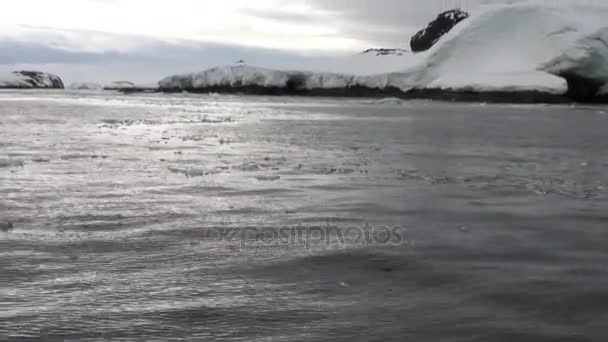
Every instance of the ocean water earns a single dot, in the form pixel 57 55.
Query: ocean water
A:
pixel 227 218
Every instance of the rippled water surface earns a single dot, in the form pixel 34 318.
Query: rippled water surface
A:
pixel 175 217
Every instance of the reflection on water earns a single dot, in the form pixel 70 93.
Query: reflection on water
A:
pixel 295 219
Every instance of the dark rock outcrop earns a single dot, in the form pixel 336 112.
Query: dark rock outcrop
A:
pixel 582 89
pixel 426 38
pixel 6 226
pixel 385 52
pixel 40 79
pixel 525 96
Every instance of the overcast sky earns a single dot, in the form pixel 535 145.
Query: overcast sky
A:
pixel 142 39
pixel 284 24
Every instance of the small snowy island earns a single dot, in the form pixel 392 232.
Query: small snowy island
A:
pixel 30 80
pixel 500 53
pixel 85 86
pixel 129 87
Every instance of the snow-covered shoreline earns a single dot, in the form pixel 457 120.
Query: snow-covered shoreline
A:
pixel 501 49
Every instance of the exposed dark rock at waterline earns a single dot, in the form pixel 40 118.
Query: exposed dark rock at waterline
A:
pixel 583 89
pixel 127 87
pixel 137 89
pixel 358 91
pixel 6 226
pixel 523 96
pixel 427 37
pixel 385 52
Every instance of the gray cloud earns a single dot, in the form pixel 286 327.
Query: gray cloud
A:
pixel 379 23
pixel 283 16
pixel 151 59
pixel 388 22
